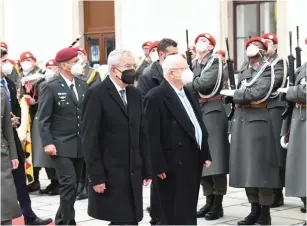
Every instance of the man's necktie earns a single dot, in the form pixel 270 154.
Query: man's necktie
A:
pixel 192 116
pixel 123 96
pixel 73 92
pixel 3 82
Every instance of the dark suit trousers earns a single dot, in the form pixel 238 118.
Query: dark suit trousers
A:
pixel 68 172
pixel 24 200
pixel 84 175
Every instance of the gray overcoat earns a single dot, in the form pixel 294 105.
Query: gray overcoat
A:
pixel 9 204
pixel 296 155
pixel 213 115
pixel 253 156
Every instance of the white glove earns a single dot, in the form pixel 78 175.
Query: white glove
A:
pixel 283 90
pixel 228 92
pixel 229 138
pixel 283 143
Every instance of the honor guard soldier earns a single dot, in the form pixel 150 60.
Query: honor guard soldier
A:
pixel 276 107
pixel 60 127
pixel 296 147
pixel 145 61
pixel 207 83
pixel 253 156
pixel 89 74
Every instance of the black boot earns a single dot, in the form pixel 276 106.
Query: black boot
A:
pixel 47 189
pixel 303 209
pixel 253 216
pixel 80 188
pixel 83 194
pixel 33 187
pixel 265 217
pixel 216 211
pixel 56 188
pixel 278 198
pixel 206 208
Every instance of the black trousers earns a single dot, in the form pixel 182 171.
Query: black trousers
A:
pixel 24 200
pixel 154 202
pixel 51 173
pixel 68 172
pixel 84 175
pixel 121 223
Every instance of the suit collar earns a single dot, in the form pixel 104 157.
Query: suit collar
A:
pixel 156 67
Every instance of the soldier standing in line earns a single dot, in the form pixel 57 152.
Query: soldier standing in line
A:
pixel 207 83
pixel 276 108
pixel 251 149
pixel 145 61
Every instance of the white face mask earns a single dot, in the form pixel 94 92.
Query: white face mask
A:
pixel 7 68
pixel 49 74
pixel 252 50
pixel 201 46
pixel 26 66
pixel 154 56
pixel 77 69
pixel 187 76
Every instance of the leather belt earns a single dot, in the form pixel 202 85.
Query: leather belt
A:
pixel 300 105
pixel 206 100
pixel 251 105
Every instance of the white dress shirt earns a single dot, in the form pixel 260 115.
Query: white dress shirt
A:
pixel 68 82
pixel 190 111
pixel 118 88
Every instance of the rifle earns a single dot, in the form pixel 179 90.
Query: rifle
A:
pixel 298 50
pixel 188 53
pixel 231 77
pixel 74 42
pixel 291 59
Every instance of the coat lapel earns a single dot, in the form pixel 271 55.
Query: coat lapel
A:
pixel 63 84
pixel 115 95
pixel 131 97
pixel 177 109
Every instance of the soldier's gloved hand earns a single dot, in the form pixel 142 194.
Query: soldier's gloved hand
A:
pixel 283 142
pixel 229 138
pixel 228 100
pixel 228 92
pixel 283 90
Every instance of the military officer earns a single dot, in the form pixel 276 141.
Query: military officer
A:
pixel 59 125
pixel 296 148
pixel 276 107
pixel 89 74
pixel 253 156
pixel 207 83
pixel 145 60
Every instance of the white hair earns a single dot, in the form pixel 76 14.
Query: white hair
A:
pixel 115 57
pixel 171 62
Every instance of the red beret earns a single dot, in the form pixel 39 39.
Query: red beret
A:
pixel 257 39
pixel 192 48
pixel 82 50
pixel 66 54
pixel 26 55
pixel 146 44
pixel 222 52
pixel 3 46
pixel 51 63
pixel 153 45
pixel 207 36
pixel 271 37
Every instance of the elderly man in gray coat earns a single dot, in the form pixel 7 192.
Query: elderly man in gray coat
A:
pixel 253 156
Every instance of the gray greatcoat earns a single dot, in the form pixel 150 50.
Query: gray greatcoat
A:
pixel 213 114
pixel 253 157
pixel 296 155
pixel 10 207
pixel 277 107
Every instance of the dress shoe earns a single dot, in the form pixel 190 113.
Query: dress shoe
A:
pixel 253 216
pixel 265 217
pixel 148 209
pixel 54 191
pixel 80 188
pixel 303 209
pixel 83 194
pixel 33 187
pixel 216 211
pixel 206 208
pixel 47 189
pixel 38 221
pixel 278 198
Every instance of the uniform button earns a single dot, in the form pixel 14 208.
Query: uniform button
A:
pixel 78 133
pixel 78 116
pixel 131 174
pixel 179 143
pixel 2 145
pixel 78 124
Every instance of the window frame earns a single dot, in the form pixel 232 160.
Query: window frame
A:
pixel 258 20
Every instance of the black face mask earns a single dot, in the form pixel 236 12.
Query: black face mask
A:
pixel 128 76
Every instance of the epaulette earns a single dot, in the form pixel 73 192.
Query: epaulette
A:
pixel 53 79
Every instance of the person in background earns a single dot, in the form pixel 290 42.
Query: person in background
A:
pixel 40 158
pixel 115 144
pixel 9 161
pixel 145 59
pixel 10 69
pixel 178 143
